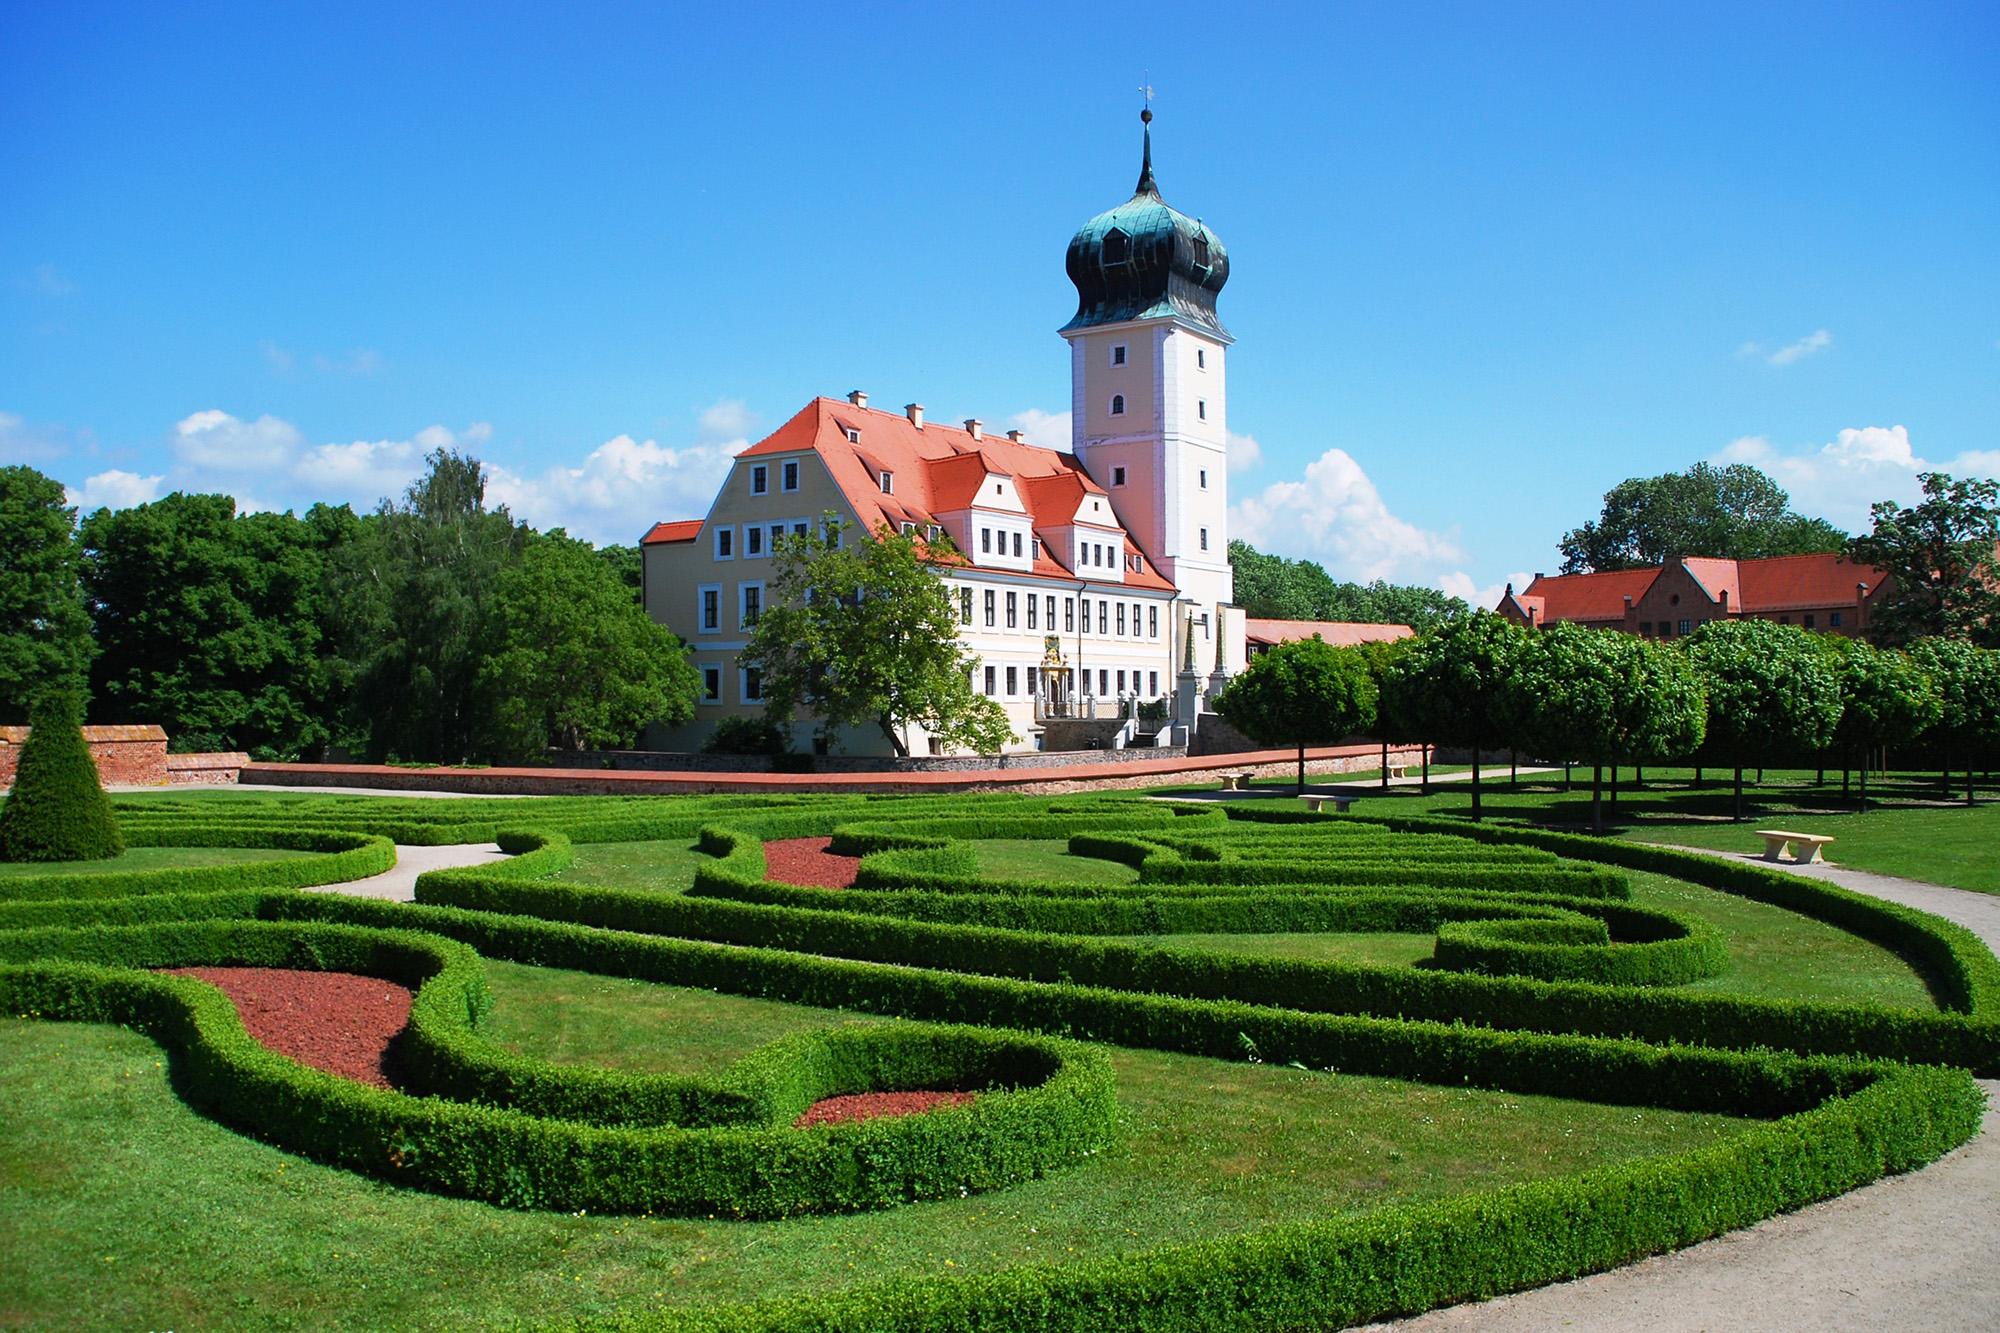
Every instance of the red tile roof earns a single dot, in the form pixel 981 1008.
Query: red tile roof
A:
pixel 1789 581
pixel 939 469
pixel 685 530
pixel 1587 596
pixel 1339 633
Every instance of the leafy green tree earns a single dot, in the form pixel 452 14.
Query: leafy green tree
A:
pixel 1885 699
pixel 211 623
pixel 1273 587
pixel 1305 692
pixel 624 562
pixel 1731 513
pixel 579 664
pixel 44 624
pixel 1968 685
pixel 1605 698
pixel 58 810
pixel 1457 686
pixel 413 593
pixel 1942 555
pixel 863 633
pixel 1772 691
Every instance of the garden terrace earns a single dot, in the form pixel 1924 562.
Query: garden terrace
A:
pixel 1217 1059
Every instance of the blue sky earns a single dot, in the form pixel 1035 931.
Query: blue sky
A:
pixel 1487 261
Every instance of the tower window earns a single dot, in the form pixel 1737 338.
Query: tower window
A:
pixel 1204 478
pixel 1117 404
pixel 1118 354
pixel 1201 358
pixel 1201 408
pixel 1204 539
pixel 1118 476
pixel 1117 246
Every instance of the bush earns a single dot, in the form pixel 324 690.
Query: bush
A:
pixel 747 735
pixel 58 810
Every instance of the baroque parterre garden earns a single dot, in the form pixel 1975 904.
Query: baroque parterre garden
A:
pixel 983 1062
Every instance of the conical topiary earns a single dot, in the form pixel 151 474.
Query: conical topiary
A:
pixel 58 810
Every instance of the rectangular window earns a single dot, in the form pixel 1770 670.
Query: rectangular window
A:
pixel 1204 478
pixel 1645 629
pixel 1812 620
pixel 1201 408
pixel 1204 539
pixel 1013 681
pixel 800 528
pixel 725 543
pixel 753 540
pixel 986 541
pixel 1153 683
pixel 790 476
pixel 753 685
pixel 1069 615
pixel 1121 682
pixel 888 483
pixel 1118 354
pixel 1833 620
pixel 1201 358
pixel 1121 617
pixel 965 606
pixel 1017 546
pixel 711 609
pixel 752 605
pixel 1034 685
pixel 760 479
pixel 1032 604
pixel 711 685
pixel 1103 616
pixel 1118 476
pixel 989 682
pixel 1052 610
pixel 1686 627
pixel 989 609
pixel 1013 619
pixel 1103 683
pixel 1152 622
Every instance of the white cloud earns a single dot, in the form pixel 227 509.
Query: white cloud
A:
pixel 281 361
pixel 1816 341
pixel 1244 452
pixel 1839 480
pixel 360 472
pixel 1051 430
pixel 1337 517
pixel 21 442
pixel 727 419
pixel 622 488
pixel 215 439
pixel 115 489
pixel 1480 597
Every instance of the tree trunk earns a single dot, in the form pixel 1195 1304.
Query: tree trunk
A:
pixel 1739 795
pixel 1475 783
pixel 1638 777
pixel 889 730
pixel 1302 769
pixel 1385 765
pixel 1819 778
pixel 1597 799
pixel 1864 781
pixel 1566 775
pixel 1968 782
pixel 1425 753
pixel 1843 782
pixel 1614 784
pixel 1514 768
pixel 1697 777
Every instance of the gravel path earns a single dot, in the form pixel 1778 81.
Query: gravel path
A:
pixel 1919 1251
pixel 399 883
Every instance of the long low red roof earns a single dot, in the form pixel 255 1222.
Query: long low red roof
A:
pixel 1339 633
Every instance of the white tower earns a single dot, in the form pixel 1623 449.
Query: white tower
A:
pixel 1148 396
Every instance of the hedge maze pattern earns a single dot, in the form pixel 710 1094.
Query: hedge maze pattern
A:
pixel 1545 978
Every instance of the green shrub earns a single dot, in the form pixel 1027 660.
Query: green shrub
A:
pixel 746 735
pixel 58 810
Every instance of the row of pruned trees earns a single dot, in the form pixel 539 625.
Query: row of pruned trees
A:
pixel 1736 693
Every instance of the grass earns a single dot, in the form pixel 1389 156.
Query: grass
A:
pixel 148 858
pixel 1047 859
pixel 667 867
pixel 124 1208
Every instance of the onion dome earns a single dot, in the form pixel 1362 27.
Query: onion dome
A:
pixel 1146 260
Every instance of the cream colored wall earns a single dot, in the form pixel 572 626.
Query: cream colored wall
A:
pixel 1137 379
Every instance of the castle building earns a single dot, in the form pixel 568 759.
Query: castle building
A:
pixel 1087 580
pixel 1817 592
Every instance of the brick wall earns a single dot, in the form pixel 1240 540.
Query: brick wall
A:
pixel 132 757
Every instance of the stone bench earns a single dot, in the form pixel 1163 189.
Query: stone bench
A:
pixel 1236 781
pixel 1318 804
pixel 1398 771
pixel 1777 842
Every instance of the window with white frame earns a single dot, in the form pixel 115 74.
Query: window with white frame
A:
pixel 989 682
pixel 965 606
pixel 1152 682
pixel 1121 617
pixel 711 685
pixel 1032 604
pixel 725 543
pixel 1103 682
pixel 1103 616
pixel 853 435
pixel 1204 539
pixel 760 479
pixel 1152 622
pixel 1201 358
pixel 1201 408
pixel 989 608
pixel 750 605
pixel 1013 682
pixel 1204 478
pixel 986 541
pixel 753 540
pixel 1013 613
pixel 888 480
pixel 1017 546
pixel 1051 604
pixel 710 599
pixel 1121 682
pixel 1069 615
pixel 789 476
pixel 1117 404
pixel 1118 354
pixel 752 681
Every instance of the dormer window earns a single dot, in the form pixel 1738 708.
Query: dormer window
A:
pixel 1117 404
pixel 1017 546
pixel 1117 247
pixel 909 528
pixel 1118 354
pixel 888 483
pixel 999 489
pixel 853 435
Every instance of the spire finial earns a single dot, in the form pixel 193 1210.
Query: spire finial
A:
pixel 1146 185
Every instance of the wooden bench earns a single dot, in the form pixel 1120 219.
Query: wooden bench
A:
pixel 1236 782
pixel 1318 804
pixel 1777 842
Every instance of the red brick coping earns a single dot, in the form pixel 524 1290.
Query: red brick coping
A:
pixel 610 782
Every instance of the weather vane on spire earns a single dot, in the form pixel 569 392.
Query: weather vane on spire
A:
pixel 1146 185
pixel 1146 91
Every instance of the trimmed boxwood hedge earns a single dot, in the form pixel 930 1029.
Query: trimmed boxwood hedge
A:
pixel 335 858
pixel 569 1138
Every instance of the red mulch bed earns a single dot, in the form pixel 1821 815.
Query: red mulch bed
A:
pixel 335 1021
pixel 808 863
pixel 868 1105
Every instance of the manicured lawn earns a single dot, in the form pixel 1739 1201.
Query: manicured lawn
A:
pixel 148 858
pixel 1959 847
pixel 667 867
pixel 1047 859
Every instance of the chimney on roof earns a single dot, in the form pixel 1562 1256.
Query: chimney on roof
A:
pixel 1014 435
pixel 1724 595
pixel 857 397
pixel 972 427
pixel 1509 592
pixel 1538 574
pixel 915 411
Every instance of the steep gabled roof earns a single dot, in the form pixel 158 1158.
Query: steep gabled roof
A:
pixel 662 534
pixel 1588 596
